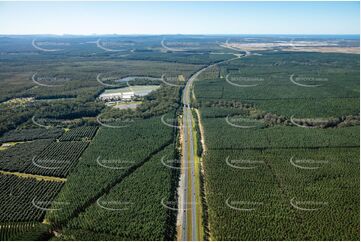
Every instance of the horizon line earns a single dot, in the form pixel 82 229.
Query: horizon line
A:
pixel 156 34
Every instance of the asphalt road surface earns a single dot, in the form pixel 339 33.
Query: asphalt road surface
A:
pixel 190 223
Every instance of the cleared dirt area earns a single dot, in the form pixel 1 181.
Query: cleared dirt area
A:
pixel 300 46
pixel 346 50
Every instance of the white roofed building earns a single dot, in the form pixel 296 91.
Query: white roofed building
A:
pixel 116 96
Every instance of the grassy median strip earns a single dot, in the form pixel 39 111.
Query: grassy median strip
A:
pixel 197 182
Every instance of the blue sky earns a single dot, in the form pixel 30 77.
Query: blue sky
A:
pixel 179 17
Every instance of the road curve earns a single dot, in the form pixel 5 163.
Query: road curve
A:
pixel 190 223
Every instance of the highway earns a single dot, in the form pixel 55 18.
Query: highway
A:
pixel 190 197
pixel 189 218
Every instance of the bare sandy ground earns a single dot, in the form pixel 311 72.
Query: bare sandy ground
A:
pixel 346 50
pixel 299 46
